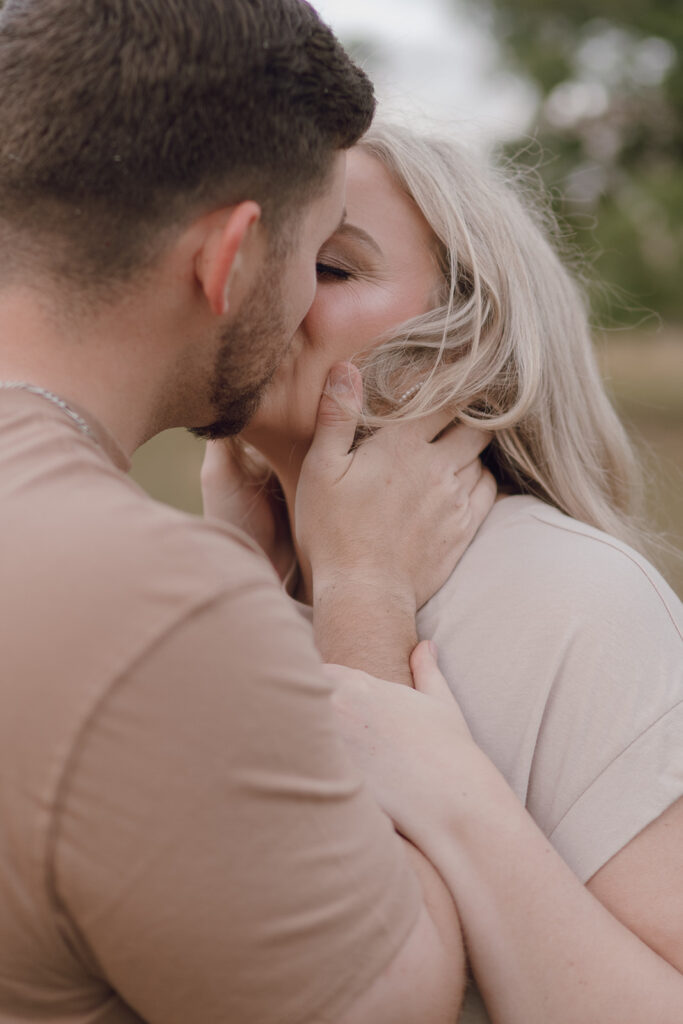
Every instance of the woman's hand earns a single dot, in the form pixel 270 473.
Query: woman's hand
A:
pixel 239 487
pixel 397 512
pixel 412 746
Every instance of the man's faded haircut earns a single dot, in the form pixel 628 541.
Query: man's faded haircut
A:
pixel 121 119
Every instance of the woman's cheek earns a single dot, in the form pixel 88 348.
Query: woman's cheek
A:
pixel 327 318
pixel 345 319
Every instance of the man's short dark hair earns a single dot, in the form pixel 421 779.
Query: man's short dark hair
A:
pixel 119 118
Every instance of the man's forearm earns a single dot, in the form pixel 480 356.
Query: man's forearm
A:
pixel 364 625
pixel 365 628
pixel 425 982
pixel 443 912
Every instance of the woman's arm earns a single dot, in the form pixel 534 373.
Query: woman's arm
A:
pixel 541 945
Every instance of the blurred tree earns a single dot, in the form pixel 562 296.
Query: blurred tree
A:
pixel 609 75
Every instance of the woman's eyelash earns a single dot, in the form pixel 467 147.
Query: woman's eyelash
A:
pixel 330 271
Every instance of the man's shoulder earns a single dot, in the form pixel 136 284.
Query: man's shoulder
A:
pixel 69 513
pixel 154 537
pixel 97 523
pixel 98 572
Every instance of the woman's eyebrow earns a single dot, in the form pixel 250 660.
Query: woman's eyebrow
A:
pixel 354 231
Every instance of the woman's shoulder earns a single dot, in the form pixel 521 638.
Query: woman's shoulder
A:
pixel 538 553
pixel 564 649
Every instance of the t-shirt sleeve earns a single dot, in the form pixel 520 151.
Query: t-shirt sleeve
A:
pixel 563 648
pixel 609 754
pixel 216 858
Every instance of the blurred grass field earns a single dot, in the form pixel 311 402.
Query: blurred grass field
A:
pixel 644 375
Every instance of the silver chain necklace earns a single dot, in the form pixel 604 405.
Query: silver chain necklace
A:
pixel 22 385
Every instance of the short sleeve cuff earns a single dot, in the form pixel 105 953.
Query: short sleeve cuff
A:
pixel 631 792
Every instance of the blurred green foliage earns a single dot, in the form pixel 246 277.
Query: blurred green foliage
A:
pixel 609 128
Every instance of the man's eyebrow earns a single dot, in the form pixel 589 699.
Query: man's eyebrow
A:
pixel 354 231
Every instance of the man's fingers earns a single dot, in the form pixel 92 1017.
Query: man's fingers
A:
pixel 434 425
pixel 463 444
pixel 338 412
pixel 425 429
pixel 482 498
pixel 469 477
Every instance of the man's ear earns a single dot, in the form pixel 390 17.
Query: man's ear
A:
pixel 223 252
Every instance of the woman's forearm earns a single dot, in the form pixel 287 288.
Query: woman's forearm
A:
pixel 541 946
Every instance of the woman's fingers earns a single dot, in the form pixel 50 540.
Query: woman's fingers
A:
pixel 429 680
pixel 426 674
pixel 221 479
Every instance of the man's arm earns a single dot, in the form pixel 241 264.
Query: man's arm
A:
pixel 217 855
pixel 363 626
pixel 375 557
pixel 425 982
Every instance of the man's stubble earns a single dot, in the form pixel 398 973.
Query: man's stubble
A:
pixel 250 352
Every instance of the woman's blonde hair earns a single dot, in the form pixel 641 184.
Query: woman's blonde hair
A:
pixel 508 344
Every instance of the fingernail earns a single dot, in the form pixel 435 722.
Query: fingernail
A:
pixel 339 381
pixel 433 650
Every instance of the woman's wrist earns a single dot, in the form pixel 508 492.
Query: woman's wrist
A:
pixel 469 808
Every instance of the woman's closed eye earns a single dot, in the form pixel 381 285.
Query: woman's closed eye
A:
pixel 332 272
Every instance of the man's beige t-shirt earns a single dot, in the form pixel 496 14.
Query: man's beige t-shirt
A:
pixel 181 837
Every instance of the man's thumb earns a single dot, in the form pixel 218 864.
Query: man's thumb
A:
pixel 339 408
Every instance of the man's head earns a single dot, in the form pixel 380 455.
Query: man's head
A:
pixel 122 118
pixel 277 295
pixel 125 121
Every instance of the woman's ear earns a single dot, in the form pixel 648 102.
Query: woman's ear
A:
pixel 223 252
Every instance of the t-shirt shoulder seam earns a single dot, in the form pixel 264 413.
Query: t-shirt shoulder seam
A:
pixel 614 545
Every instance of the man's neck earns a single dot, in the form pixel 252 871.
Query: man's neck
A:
pixel 95 364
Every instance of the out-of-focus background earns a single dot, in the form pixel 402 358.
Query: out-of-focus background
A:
pixel 590 94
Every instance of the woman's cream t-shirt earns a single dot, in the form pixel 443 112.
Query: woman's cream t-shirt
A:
pixel 564 649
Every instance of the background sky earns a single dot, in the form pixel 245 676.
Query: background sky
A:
pixel 433 59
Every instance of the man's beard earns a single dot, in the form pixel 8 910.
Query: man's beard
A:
pixel 251 350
